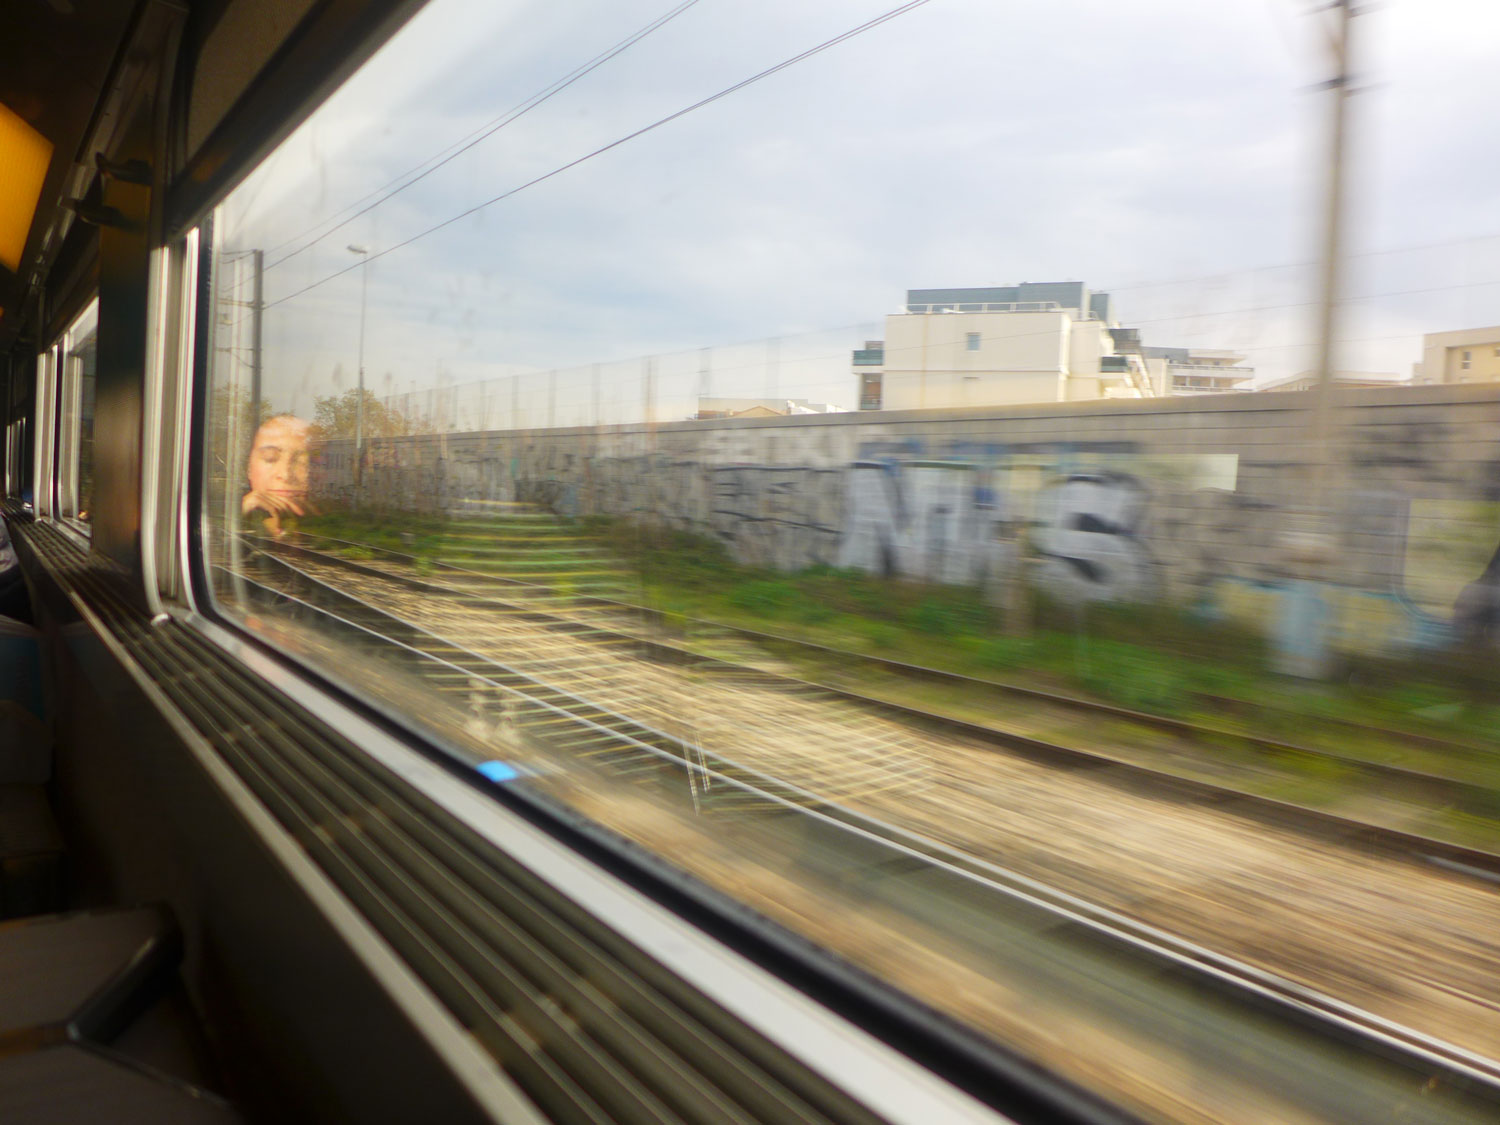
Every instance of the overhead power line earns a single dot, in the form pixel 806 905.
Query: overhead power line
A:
pixel 1306 263
pixel 724 93
pixel 421 171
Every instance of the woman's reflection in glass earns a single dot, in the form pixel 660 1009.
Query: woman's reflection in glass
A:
pixel 277 471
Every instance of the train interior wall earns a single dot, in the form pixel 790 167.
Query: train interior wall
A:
pixel 227 994
pixel 267 1006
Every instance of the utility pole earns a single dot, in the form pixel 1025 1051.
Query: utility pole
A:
pixel 1308 543
pixel 705 377
pixel 773 369
pixel 359 402
pixel 257 311
pixel 1332 253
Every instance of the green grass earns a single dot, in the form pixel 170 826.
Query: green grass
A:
pixel 1146 657
pixel 1150 658
pixel 952 628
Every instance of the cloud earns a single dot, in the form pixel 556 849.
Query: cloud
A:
pixel 964 143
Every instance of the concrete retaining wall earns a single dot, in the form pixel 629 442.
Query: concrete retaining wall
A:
pixel 1207 502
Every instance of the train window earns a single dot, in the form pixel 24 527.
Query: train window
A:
pixel 42 475
pixel 16 484
pixel 77 358
pixel 1145 728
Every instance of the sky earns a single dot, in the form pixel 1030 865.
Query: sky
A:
pixel 1171 152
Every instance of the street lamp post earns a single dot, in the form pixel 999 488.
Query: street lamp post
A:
pixel 359 401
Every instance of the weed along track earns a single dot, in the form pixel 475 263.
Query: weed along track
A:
pixel 1211 697
pixel 1424 814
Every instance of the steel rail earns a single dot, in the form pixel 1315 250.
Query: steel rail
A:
pixel 1423 849
pixel 905 668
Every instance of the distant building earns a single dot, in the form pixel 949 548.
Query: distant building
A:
pixel 1198 371
pixel 1307 380
pixel 761 407
pixel 1470 355
pixel 1015 344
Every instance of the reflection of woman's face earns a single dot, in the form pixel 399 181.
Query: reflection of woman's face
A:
pixel 278 459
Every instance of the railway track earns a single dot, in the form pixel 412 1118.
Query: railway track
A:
pixel 1278 1048
pixel 489 592
pixel 1392 738
pixel 1446 745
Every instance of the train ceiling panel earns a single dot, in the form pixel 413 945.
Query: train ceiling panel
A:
pixel 55 57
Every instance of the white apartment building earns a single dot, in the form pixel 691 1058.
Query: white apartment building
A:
pixel 1016 344
pixel 1470 355
pixel 1197 371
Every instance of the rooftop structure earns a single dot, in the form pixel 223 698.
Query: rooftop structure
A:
pixel 1029 296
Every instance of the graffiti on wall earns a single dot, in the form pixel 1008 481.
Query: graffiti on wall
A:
pixel 773 516
pixel 938 521
pixel 1414 558
pixel 1476 611
pixel 1087 538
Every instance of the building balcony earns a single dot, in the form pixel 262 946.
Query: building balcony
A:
pixel 1207 378
pixel 869 357
pixel 1211 370
pixel 1196 386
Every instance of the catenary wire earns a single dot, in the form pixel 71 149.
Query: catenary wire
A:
pixel 724 93
pixel 458 148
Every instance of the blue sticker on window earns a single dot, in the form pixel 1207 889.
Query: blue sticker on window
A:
pixel 499 771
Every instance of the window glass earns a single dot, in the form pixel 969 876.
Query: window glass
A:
pixel 46 413
pixel 579 399
pixel 16 483
pixel 78 357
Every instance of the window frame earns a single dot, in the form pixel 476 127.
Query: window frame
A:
pixel 15 458
pixel 174 311
pixel 69 366
pixel 44 452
